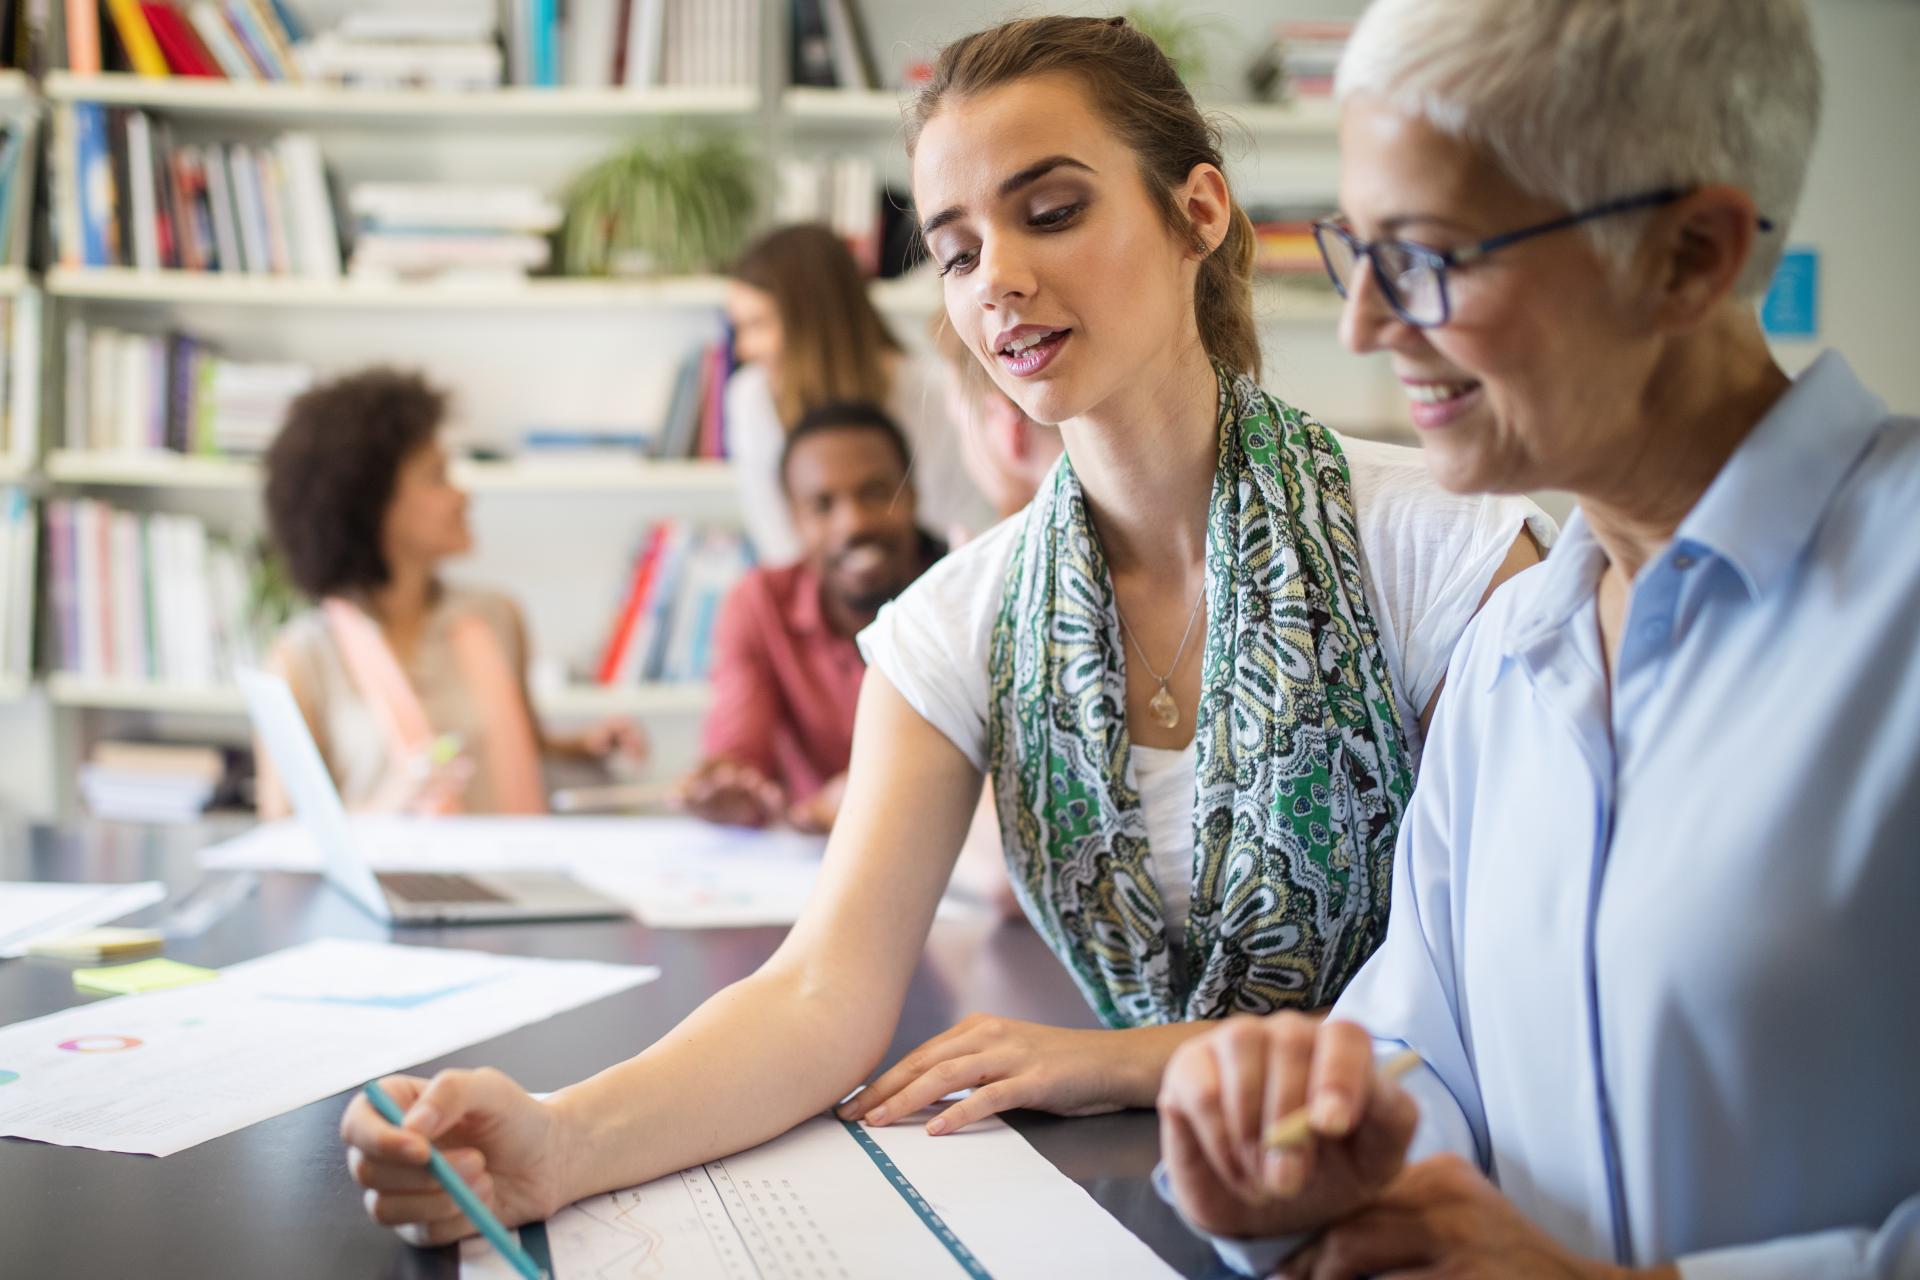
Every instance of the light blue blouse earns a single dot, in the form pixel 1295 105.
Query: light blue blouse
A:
pixel 1659 943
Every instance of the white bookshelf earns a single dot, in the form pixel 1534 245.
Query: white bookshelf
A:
pixel 571 702
pixel 204 288
pixel 319 106
pixel 13 472
pixel 12 689
pixel 16 90
pixel 12 281
pixel 160 470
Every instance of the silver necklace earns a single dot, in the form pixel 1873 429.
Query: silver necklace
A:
pixel 1165 710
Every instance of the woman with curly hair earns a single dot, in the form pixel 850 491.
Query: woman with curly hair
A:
pixel 415 690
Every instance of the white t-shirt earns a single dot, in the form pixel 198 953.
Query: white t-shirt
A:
pixel 917 404
pixel 1427 554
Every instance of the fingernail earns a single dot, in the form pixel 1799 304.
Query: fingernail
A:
pixel 422 1119
pixel 1332 1115
pixel 937 1125
pixel 877 1116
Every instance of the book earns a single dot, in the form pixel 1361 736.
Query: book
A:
pixel 221 42
pixel 143 51
pixel 83 37
pixel 184 53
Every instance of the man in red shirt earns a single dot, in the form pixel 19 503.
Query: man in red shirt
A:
pixel 786 670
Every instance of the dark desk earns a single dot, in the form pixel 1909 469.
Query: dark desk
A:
pixel 274 1199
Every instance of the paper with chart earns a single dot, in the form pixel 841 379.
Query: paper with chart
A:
pixel 157 1073
pixel 829 1201
pixel 672 873
pixel 31 910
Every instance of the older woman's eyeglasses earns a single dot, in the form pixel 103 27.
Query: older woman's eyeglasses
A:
pixel 1413 277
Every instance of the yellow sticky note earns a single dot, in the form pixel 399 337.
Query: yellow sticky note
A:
pixel 134 979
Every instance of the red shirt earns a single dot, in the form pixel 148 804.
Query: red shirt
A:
pixel 785 684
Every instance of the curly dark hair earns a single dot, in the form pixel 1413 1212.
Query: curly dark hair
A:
pixel 332 469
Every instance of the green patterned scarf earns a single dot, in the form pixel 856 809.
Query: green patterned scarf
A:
pixel 1301 761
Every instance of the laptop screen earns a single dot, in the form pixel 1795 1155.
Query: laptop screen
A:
pixel 316 802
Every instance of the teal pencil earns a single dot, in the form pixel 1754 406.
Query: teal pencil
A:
pixel 477 1213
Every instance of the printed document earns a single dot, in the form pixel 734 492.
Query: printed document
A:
pixel 156 1073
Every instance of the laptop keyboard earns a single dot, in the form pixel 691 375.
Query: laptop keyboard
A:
pixel 427 886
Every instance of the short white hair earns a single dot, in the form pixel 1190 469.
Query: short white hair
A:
pixel 1585 101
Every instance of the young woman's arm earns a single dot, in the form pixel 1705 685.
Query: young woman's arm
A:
pixel 754 1060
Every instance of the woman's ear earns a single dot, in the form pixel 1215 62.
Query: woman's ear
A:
pixel 1208 204
pixel 1704 243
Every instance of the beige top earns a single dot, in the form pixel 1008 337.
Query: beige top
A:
pixel 348 730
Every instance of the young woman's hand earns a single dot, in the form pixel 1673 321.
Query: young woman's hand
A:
pixel 1010 1064
pixel 1224 1089
pixel 506 1144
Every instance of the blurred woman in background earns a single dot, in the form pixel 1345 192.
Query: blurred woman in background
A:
pixel 415 690
pixel 807 335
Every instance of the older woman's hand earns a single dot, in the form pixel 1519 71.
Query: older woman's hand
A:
pixel 1224 1089
pixel 1442 1216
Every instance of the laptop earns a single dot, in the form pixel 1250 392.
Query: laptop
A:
pixel 410 897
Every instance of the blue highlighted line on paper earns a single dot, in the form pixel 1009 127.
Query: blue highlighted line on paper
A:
pixel 411 1000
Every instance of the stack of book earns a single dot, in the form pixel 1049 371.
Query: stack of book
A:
pixel 126 196
pixel 146 597
pixel 1309 53
pixel 415 229
pixel 138 392
pixel 1284 248
pixel 695 424
pixel 663 630
pixel 149 782
pixel 215 39
pixel 830 47
pixel 411 44
pixel 19 541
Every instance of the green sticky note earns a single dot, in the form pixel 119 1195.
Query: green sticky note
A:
pixel 147 975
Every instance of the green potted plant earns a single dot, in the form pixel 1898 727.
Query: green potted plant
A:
pixel 665 205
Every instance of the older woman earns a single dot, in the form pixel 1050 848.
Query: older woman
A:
pixel 1653 903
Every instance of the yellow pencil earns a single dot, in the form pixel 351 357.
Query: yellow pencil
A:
pixel 1295 1127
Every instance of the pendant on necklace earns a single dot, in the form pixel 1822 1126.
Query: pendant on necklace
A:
pixel 1164 708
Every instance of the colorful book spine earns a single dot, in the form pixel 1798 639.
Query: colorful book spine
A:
pixel 143 51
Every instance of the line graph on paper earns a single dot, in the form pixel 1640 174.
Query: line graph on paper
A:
pixel 707 1221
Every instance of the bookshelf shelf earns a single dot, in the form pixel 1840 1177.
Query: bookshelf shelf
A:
pixel 12 689
pixel 12 472
pixel 16 90
pixel 149 470
pixel 321 105
pixel 573 701
pixel 182 288
pixel 589 701
pixel 12 281
pixel 1315 118
pixel 133 695
pixel 849 106
pixel 589 475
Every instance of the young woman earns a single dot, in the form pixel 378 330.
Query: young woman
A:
pixel 414 690
pixel 1194 668
pixel 806 336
